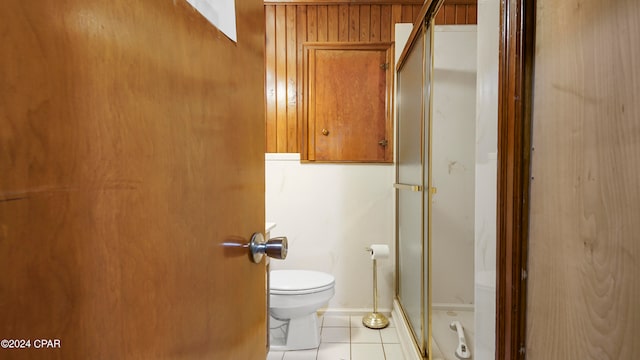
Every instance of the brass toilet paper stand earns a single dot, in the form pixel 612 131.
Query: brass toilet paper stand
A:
pixel 375 320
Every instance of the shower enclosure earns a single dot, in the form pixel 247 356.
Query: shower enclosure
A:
pixel 413 182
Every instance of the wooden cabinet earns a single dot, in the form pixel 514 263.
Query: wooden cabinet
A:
pixel 347 102
pixel 290 24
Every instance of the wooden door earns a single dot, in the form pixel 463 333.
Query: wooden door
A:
pixel 131 153
pixel 584 252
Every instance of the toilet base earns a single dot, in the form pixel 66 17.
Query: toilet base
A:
pixel 301 333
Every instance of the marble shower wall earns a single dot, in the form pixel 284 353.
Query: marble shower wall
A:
pixel 453 165
pixel 486 170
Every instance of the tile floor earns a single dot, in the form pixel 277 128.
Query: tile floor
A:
pixel 345 338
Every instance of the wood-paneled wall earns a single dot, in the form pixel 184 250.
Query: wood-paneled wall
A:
pixel 457 14
pixel 288 26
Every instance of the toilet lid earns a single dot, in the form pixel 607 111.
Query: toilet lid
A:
pixel 299 281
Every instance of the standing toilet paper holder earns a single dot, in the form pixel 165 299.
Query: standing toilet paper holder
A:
pixel 375 320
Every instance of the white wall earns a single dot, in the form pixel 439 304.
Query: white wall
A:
pixel 330 214
pixel 486 170
pixel 453 164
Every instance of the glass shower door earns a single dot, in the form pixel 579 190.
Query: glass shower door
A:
pixel 410 191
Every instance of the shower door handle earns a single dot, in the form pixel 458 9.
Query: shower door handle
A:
pixel 274 248
pixel 414 188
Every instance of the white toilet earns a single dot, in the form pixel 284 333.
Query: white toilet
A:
pixel 294 299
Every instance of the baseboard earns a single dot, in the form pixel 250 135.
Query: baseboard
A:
pixel 351 311
pixel 404 334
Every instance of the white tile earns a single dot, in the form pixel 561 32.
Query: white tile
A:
pixel 334 351
pixel 392 323
pixel 335 335
pixel 301 355
pixel 367 352
pixel 336 321
pixel 365 335
pixel 393 352
pixel 275 355
pixel 390 335
pixel 356 321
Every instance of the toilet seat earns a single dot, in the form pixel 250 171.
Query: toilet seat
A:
pixel 299 282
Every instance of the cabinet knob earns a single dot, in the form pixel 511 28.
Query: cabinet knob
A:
pixel 325 132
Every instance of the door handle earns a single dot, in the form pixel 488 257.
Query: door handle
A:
pixel 274 248
pixel 415 188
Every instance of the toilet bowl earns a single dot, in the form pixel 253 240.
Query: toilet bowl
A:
pixel 294 299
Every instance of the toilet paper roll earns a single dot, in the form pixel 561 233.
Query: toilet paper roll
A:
pixel 379 251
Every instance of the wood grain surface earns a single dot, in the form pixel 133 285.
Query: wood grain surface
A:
pixel 584 278
pixel 287 28
pixel 131 149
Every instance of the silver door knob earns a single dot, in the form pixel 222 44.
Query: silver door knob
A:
pixel 274 248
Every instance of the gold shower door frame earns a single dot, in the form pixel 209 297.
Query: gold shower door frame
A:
pixel 423 31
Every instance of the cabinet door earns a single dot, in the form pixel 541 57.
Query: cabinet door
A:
pixel 348 103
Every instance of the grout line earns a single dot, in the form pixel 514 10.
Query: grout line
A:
pixel 384 352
